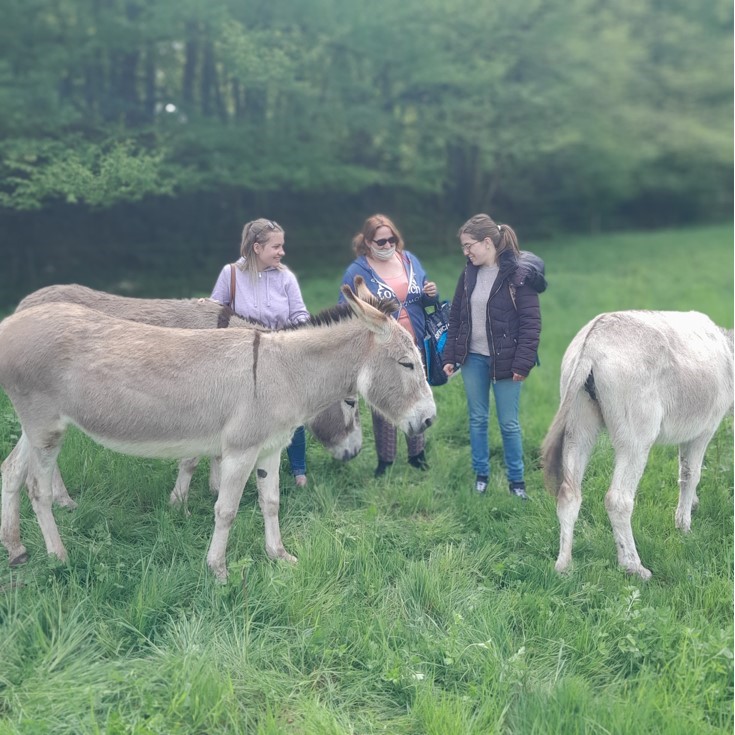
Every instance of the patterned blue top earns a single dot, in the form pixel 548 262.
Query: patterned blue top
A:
pixel 415 300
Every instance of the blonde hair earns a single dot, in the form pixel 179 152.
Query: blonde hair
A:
pixel 482 225
pixel 361 241
pixel 251 233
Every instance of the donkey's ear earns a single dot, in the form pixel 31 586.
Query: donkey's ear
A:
pixel 362 291
pixel 376 321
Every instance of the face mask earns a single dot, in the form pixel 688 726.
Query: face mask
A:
pixel 382 253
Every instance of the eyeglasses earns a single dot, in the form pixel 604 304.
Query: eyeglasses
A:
pixel 465 247
pixel 386 241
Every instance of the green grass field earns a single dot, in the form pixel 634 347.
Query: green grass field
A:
pixel 416 607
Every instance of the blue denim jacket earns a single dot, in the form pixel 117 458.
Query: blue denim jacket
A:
pixel 415 301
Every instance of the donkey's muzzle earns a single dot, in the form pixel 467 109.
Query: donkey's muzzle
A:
pixel 420 427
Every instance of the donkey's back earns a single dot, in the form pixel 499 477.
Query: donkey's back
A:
pixel 673 370
pixel 176 313
pixel 647 377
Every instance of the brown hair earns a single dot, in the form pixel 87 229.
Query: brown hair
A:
pixel 482 225
pixel 259 230
pixel 361 241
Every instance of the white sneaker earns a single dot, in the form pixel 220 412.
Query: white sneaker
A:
pixel 480 484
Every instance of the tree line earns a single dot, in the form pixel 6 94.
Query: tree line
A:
pixel 562 114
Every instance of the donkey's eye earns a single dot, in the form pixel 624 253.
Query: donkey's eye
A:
pixel 406 364
pixel 350 403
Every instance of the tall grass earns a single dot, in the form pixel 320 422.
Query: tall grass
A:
pixel 416 606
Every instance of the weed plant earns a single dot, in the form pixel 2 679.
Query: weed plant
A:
pixel 417 606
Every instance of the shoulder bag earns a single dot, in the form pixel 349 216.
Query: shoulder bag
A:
pixel 435 337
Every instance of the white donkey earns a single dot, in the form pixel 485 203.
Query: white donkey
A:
pixel 174 393
pixel 648 377
pixel 337 427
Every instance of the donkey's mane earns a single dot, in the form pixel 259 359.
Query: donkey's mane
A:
pixel 330 315
pixel 340 312
pixel 226 315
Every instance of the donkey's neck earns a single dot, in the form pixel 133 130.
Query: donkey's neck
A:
pixel 325 362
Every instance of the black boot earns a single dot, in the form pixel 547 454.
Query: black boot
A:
pixel 518 488
pixel 382 467
pixel 419 461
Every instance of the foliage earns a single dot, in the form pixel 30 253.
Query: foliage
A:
pixel 585 106
pixel 85 172
pixel 417 606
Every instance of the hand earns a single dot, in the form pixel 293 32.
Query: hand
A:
pixel 448 370
pixel 518 378
pixel 430 289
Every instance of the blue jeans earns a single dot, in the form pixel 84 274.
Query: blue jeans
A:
pixel 296 451
pixel 477 377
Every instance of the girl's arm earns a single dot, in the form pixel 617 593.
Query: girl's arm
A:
pixel 221 291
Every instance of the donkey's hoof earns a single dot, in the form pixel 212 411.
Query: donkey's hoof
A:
pixel 282 555
pixel 641 571
pixel 683 525
pixel 21 558
pixel 220 573
pixel 66 502
pixel 180 506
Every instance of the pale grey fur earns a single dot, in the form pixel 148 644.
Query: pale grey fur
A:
pixel 337 427
pixel 648 377
pixel 175 393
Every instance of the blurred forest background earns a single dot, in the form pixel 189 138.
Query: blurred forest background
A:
pixel 137 136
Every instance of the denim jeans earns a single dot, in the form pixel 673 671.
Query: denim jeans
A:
pixel 296 451
pixel 477 377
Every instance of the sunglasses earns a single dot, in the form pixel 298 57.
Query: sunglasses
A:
pixel 271 225
pixel 386 241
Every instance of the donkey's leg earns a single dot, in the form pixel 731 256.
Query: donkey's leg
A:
pixel 269 498
pixel 14 474
pixel 59 491
pixel 580 436
pixel 180 493
pixel 214 475
pixel 236 469
pixel 691 455
pixel 630 461
pixel 39 481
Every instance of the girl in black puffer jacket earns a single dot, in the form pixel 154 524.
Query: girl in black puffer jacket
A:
pixel 494 330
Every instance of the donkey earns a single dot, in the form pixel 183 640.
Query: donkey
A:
pixel 337 427
pixel 174 393
pixel 648 377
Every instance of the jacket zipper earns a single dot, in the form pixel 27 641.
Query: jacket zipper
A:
pixel 489 322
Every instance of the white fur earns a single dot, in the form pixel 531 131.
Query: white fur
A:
pixel 337 427
pixel 659 377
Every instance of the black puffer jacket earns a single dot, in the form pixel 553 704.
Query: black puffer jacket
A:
pixel 513 315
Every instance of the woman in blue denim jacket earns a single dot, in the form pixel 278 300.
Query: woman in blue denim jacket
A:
pixel 391 272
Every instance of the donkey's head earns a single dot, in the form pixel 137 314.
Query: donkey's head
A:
pixel 392 378
pixel 338 428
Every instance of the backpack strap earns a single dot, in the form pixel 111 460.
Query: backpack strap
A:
pixel 232 286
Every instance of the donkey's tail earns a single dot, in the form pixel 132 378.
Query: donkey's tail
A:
pixel 577 390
